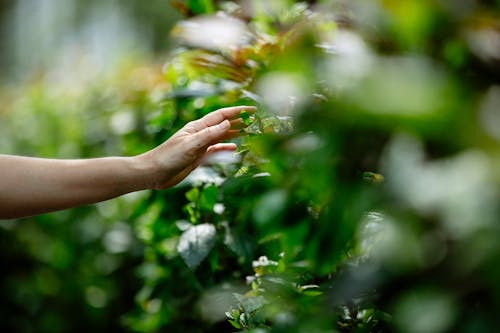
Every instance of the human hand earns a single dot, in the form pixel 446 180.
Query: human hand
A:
pixel 173 160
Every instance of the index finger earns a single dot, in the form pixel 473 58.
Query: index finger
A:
pixel 218 116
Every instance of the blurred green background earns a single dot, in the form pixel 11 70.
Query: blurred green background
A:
pixel 77 77
pixel 365 197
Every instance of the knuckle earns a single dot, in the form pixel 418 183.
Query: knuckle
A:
pixel 209 133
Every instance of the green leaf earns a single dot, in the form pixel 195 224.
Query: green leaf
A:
pixel 195 244
pixel 250 303
pixel 270 206
pixel 192 212
pixel 233 318
pixel 246 117
pixel 144 225
pixel 193 194
pixel 237 243
pixel 208 198
pixel 201 6
pixel 373 177
pixel 310 290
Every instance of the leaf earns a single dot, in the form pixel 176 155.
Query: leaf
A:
pixel 246 117
pixel 250 303
pixel 237 243
pixel 193 194
pixel 270 206
pixel 183 225
pixel 310 290
pixel 195 244
pixel 201 6
pixel 252 96
pixel 373 177
pixel 145 223
pixel 208 197
pixel 233 318
pixel 181 7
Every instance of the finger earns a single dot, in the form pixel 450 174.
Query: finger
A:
pixel 248 109
pixel 211 135
pixel 221 147
pixel 231 134
pixel 220 154
pixel 220 115
pixel 239 123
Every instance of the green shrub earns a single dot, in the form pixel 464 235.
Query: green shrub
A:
pixel 364 197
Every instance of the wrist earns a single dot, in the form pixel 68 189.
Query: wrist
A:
pixel 144 170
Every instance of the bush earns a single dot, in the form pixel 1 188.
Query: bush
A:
pixel 364 197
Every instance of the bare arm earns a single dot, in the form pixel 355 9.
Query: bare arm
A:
pixel 31 186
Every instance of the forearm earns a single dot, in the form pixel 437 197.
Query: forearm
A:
pixel 31 186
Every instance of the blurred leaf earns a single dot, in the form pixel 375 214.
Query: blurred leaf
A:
pixel 195 244
pixel 208 197
pixel 270 206
pixel 250 304
pixel 193 194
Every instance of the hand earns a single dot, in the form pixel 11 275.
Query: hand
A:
pixel 173 160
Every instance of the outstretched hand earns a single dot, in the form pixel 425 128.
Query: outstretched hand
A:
pixel 173 160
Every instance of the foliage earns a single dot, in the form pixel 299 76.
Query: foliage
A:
pixel 368 173
pixel 363 199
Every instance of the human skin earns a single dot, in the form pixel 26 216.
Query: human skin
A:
pixel 30 186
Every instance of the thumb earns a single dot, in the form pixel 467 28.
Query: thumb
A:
pixel 212 134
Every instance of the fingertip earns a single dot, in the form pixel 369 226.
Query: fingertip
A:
pixel 222 147
pixel 225 125
pixel 249 108
pixel 232 134
pixel 236 111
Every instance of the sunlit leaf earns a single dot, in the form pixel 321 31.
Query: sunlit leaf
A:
pixel 195 244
